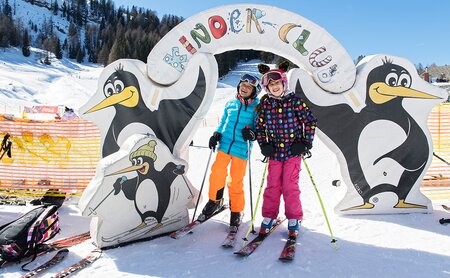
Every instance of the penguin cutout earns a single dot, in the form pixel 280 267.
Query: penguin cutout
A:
pixel 378 129
pixel 128 102
pixel 138 192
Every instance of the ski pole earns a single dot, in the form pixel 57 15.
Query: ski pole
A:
pixel 256 205
pixel 333 240
pixel 203 182
pixel 93 210
pixel 250 184
pixel 441 159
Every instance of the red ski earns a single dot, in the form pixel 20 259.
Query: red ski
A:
pixel 288 252
pixel 248 249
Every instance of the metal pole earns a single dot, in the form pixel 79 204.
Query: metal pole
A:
pixel 203 183
pixel 333 240
pixel 250 183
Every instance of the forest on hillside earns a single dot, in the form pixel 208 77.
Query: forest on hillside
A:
pixel 98 32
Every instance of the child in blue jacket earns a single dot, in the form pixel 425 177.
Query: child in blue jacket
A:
pixel 235 129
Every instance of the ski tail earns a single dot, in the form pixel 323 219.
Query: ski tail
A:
pixel 57 258
pixel 191 226
pixel 288 252
pixel 81 264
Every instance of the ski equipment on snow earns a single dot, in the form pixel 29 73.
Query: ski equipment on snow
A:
pixel 203 183
pixel 288 252
pixel 443 220
pixel 231 238
pixel 22 237
pixel 89 259
pixel 248 249
pixel 58 257
pixel 191 226
pixel 257 203
pixel 333 240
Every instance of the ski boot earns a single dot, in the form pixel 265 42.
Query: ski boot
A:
pixel 293 227
pixel 210 208
pixel 265 226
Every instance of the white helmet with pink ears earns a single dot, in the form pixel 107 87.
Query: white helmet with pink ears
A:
pixel 274 74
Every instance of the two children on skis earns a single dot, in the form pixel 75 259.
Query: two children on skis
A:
pixel 283 126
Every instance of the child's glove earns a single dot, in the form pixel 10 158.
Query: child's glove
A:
pixel 299 148
pixel 214 139
pixel 248 134
pixel 267 149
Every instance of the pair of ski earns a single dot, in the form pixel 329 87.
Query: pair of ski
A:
pixel 229 241
pixel 61 246
pixel 287 253
pixel 59 256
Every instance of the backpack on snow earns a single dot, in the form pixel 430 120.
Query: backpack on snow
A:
pixel 22 237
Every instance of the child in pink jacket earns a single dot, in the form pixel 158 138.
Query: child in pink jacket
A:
pixel 285 130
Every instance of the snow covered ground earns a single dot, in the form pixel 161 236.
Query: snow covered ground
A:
pixel 410 245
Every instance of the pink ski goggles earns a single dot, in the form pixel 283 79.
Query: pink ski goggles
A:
pixel 274 76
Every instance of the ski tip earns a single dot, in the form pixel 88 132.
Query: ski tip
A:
pixel 241 254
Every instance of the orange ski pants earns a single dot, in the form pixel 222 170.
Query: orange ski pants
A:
pixel 235 182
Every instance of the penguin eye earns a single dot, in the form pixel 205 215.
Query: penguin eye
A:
pixel 139 161
pixel 405 80
pixel 108 90
pixel 391 79
pixel 118 85
pixel 134 162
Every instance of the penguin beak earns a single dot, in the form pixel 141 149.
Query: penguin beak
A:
pixel 143 169
pixel 380 93
pixel 129 97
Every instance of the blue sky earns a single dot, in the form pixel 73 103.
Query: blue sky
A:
pixel 416 30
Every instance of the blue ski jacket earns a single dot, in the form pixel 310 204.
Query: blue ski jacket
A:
pixel 237 115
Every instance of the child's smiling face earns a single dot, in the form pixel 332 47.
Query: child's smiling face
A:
pixel 245 89
pixel 276 87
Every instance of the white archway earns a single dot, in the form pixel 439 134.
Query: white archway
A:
pixel 258 27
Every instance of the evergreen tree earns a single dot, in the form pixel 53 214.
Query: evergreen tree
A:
pixel 80 55
pixel 7 9
pixel 360 57
pixel 26 43
pixel 58 49
pixel 55 7
pixel 118 50
pixel 103 55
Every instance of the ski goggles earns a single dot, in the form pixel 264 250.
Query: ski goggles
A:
pixel 271 75
pixel 250 79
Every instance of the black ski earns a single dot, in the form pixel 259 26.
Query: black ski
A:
pixel 191 226
pixel 89 259
pixel 59 256
pixel 248 249
pixel 443 220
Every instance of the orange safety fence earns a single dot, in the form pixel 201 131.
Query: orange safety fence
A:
pixel 53 154
pixel 436 182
